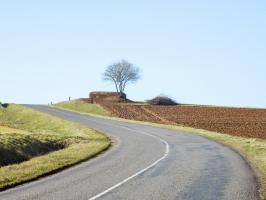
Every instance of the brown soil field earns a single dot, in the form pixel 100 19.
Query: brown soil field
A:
pixel 244 122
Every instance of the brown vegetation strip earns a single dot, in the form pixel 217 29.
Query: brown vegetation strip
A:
pixel 244 122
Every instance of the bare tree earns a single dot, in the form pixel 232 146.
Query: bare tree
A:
pixel 121 73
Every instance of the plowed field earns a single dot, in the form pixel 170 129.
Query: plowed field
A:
pixel 235 121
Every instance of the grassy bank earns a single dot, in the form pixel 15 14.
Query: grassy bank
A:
pixel 80 106
pixel 33 144
pixel 253 149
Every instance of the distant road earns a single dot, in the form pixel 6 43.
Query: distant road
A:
pixel 145 163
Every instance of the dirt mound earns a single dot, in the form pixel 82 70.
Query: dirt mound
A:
pixel 105 97
pixel 235 121
pixel 4 105
pixel 162 100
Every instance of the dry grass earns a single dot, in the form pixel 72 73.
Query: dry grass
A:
pixel 81 106
pixel 33 144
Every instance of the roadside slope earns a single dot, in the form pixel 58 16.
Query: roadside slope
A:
pixel 194 168
pixel 81 106
pixel 253 149
pixel 33 144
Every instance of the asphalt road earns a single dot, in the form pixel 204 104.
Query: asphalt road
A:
pixel 145 163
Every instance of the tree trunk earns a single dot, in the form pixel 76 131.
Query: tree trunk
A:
pixel 116 87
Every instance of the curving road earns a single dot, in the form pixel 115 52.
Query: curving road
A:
pixel 145 163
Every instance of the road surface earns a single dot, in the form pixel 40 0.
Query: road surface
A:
pixel 145 163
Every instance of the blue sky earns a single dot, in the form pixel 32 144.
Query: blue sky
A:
pixel 203 52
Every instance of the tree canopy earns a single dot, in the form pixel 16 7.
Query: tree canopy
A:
pixel 121 74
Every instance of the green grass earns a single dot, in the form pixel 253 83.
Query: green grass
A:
pixel 252 149
pixel 33 144
pixel 80 106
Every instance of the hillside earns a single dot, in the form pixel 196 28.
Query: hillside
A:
pixel 224 125
pixel 82 106
pixel 33 144
pixel 246 122
pixel 234 121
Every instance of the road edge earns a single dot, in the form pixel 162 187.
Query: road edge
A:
pixel 257 174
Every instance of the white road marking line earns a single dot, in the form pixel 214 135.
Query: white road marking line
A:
pixel 167 149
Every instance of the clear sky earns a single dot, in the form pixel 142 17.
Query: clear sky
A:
pixel 203 52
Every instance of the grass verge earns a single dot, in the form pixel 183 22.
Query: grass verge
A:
pixel 252 149
pixel 80 106
pixel 34 144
